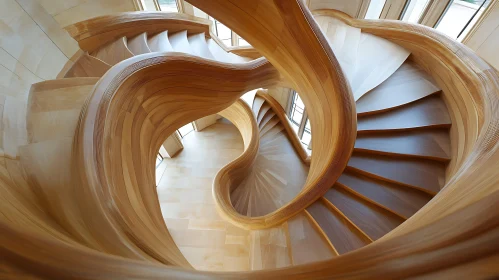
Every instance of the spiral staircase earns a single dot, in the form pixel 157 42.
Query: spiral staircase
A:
pixel 402 181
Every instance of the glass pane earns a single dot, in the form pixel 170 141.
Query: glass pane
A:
pixel 297 116
pixel 375 9
pixel 414 11
pixel 307 134
pixel 199 13
pixel 168 6
pixel 159 159
pixel 459 14
pixel 184 130
pixel 305 139
pixel 223 32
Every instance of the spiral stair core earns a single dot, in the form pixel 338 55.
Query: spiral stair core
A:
pixel 83 182
pixel 397 166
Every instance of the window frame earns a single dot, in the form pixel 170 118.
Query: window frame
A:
pixel 460 38
pixel 302 129
pixel 180 134
pixel 177 2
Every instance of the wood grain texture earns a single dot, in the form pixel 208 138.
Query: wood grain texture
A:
pixel 95 33
pixel 87 66
pixel 369 218
pixel 336 107
pixel 307 244
pixel 245 51
pixel 431 144
pixel 342 234
pixel 429 112
pixel 54 107
pixel 422 174
pixel 457 229
pixel 114 52
pixel 403 201
pixel 406 85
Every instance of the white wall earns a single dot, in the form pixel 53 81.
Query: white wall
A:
pixel 34 47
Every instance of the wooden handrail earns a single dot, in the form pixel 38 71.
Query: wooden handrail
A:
pixel 95 33
pixel 288 36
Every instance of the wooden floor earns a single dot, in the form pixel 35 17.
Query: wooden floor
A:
pixel 184 190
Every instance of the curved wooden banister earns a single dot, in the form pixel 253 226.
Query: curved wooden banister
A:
pixel 287 35
pixel 292 136
pixel 97 32
pixel 134 107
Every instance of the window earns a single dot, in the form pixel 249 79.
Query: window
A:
pixel 460 17
pixel 186 129
pixel 296 111
pixel 297 114
pixel 242 42
pixel 168 6
pixel 222 32
pixel 307 134
pixel 159 159
pixel 375 9
pixel 414 10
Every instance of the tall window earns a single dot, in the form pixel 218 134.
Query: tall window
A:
pixel 242 42
pixel 297 114
pixel 461 16
pixel 375 9
pixel 186 129
pixel 222 32
pixel 414 10
pixel 159 159
pixel 168 6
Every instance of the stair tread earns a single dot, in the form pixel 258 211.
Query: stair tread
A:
pixel 340 232
pixel 54 107
pixel 371 219
pixel 160 42
pixel 270 115
pixel 269 125
pixel 199 46
pixel 377 60
pixel 221 55
pixel 114 52
pixel 406 85
pixel 272 133
pixel 269 250
pixel 344 41
pixel 422 174
pixel 428 112
pixel 217 51
pixel 261 113
pixel 180 43
pixel 307 244
pixel 257 104
pixel 432 143
pixel 403 201
pixel 88 66
pixel 138 44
